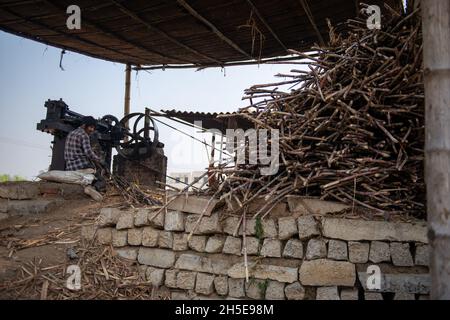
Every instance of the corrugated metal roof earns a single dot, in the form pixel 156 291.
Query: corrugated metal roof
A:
pixel 210 120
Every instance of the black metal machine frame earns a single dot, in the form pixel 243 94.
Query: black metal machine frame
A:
pixel 134 144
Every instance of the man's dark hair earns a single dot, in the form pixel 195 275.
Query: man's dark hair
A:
pixel 89 121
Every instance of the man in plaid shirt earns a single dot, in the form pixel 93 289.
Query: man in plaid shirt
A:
pixel 78 151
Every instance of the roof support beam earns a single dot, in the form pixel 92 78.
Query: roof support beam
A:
pixel 227 64
pixel 150 27
pixel 119 37
pixel 266 24
pixel 68 35
pixel 213 28
pixel 310 16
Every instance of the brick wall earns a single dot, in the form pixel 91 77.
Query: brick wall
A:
pixel 290 255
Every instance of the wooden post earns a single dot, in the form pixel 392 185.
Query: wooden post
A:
pixel 126 109
pixel 436 44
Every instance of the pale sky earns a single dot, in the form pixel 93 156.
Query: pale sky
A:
pixel 30 74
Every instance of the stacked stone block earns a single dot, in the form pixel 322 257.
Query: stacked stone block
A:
pixel 295 257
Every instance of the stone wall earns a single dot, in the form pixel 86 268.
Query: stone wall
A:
pixel 291 255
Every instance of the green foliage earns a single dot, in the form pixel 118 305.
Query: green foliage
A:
pixel 7 177
pixel 259 231
pixel 262 286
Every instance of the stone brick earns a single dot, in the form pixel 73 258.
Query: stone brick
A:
pixel 180 242
pixel 264 271
pixel 150 237
pixel 127 253
pixel 294 291
pixel 275 291
pixel 126 221
pixel 174 221
pixel 142 269
pixel 307 227
pixel 293 249
pixel 186 280
pixel 372 296
pixel 104 235
pixel 327 293
pixel 358 252
pixel 269 228
pixel 236 288
pixel 323 272
pixel 194 262
pixel 155 276
pixel 229 224
pixel 287 227
pixel 135 236
pixel 401 282
pixel 19 190
pixel 194 204
pixel 316 249
pixel 215 244
pixel 337 250
pixel 250 225
pixel 401 255
pixel 204 283
pixel 221 285
pixel 349 294
pixel 232 245
pixel 156 257
pixel 141 218
pixel 422 257
pixel 88 232
pixel 165 239
pixel 304 205
pixel 221 264
pixel 271 248
pixel 197 243
pixel 379 252
pixel 207 225
pixel 404 296
pixel 108 217
pixel 171 278
pixel 155 219
pixel 253 245
pixel 357 230
pixel 179 295
pixel 119 238
pixel 255 289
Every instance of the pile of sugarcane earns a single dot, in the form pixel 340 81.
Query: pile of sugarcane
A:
pixel 351 127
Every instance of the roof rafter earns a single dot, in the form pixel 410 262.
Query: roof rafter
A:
pixel 213 28
pixel 117 36
pixel 310 16
pixel 69 35
pixel 266 24
pixel 151 27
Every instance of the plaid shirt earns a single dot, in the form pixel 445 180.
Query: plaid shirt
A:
pixel 78 151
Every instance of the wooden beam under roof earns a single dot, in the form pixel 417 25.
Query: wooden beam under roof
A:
pixel 119 37
pixel 151 27
pixel 266 24
pixel 213 28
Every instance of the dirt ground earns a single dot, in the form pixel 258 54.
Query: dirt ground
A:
pixel 36 249
pixel 43 238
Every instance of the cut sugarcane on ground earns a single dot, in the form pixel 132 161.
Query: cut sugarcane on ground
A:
pixel 352 127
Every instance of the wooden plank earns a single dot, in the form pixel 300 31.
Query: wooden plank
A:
pixel 436 46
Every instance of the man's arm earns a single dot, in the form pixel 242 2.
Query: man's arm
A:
pixel 86 144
